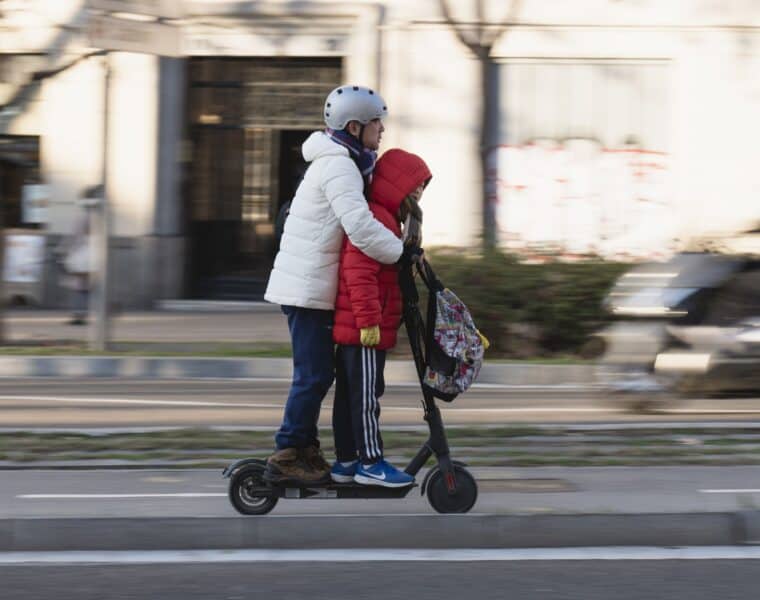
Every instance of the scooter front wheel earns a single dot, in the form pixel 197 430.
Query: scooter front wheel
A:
pixel 460 501
pixel 245 492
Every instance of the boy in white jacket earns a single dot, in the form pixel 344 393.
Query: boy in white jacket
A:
pixel 329 201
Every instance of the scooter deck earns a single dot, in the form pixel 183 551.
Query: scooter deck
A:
pixel 327 490
pixel 337 491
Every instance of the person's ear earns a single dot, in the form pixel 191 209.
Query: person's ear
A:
pixel 353 128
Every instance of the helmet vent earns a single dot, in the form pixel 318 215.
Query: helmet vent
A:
pixel 356 88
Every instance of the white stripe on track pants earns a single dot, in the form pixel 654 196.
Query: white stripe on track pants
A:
pixel 359 384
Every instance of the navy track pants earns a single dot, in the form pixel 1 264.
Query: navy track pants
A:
pixel 359 384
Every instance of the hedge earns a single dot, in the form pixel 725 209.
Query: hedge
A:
pixel 530 310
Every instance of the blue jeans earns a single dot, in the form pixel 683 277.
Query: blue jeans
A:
pixel 313 374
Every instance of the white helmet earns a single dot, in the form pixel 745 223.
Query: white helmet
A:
pixel 353 103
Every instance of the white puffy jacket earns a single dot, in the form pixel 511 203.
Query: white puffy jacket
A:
pixel 329 201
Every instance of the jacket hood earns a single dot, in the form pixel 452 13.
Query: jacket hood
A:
pixel 318 145
pixel 397 174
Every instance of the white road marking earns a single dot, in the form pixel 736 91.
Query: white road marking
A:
pixel 328 406
pixel 731 491
pixel 351 555
pixel 564 387
pixel 571 427
pixel 554 387
pixel 711 411
pixel 549 409
pixel 204 403
pixel 143 401
pixel 107 496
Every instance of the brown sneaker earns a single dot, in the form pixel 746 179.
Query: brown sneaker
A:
pixel 291 465
pixel 316 459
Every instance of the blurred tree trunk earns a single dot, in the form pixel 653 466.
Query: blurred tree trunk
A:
pixel 490 125
pixel 2 256
pixel 479 38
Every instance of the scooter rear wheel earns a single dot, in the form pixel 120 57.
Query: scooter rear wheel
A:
pixel 243 495
pixel 459 502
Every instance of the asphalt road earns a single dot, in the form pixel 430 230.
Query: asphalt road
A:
pixel 591 579
pixel 535 490
pixel 30 403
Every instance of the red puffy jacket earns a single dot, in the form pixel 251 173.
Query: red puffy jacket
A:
pixel 368 292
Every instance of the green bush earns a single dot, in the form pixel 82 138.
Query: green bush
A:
pixel 529 310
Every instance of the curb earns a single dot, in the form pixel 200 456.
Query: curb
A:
pixel 140 367
pixel 397 371
pixel 402 531
pixel 211 306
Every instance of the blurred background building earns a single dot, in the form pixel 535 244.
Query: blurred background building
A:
pixel 617 127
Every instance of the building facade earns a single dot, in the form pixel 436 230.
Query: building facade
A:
pixel 622 128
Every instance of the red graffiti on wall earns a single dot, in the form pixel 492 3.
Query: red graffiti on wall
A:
pixel 579 197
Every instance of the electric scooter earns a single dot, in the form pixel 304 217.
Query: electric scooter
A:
pixel 449 486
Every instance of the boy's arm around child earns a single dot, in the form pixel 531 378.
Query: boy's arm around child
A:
pixel 343 187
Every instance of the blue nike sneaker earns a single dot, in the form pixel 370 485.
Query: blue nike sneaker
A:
pixel 343 474
pixel 382 473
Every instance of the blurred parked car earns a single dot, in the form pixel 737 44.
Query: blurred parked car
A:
pixel 689 326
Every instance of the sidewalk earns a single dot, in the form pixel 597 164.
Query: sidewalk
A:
pixel 260 322
pixel 182 333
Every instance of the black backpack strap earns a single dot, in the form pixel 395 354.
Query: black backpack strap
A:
pixel 432 283
pixel 409 292
pixel 415 327
pixel 430 318
pixel 435 357
pixel 425 350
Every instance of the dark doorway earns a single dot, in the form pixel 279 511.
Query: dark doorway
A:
pixel 215 225
pixel 248 118
pixel 19 167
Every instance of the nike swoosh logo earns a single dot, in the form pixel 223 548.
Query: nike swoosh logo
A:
pixel 381 476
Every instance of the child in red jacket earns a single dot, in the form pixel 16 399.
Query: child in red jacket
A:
pixel 367 316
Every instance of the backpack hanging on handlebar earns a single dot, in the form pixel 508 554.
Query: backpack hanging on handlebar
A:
pixel 447 350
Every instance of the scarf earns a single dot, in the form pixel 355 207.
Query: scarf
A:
pixel 364 158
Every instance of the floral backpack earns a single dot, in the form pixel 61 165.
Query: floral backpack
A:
pixel 448 350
